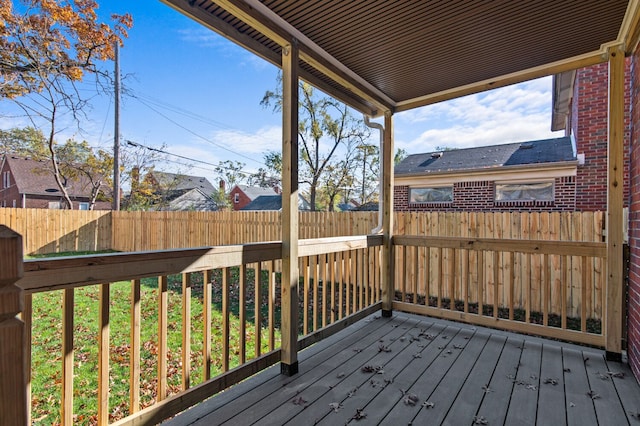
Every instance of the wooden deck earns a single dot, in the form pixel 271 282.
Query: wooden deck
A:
pixel 416 370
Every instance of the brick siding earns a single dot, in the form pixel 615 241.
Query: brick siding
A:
pixel 479 196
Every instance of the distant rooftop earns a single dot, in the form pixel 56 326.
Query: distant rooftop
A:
pixel 545 151
pixel 181 182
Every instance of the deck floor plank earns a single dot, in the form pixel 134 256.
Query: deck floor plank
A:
pixel 452 381
pixel 380 354
pixel 551 404
pixel 441 362
pixel 606 402
pixel 524 398
pixel 346 394
pixel 316 355
pixel 495 403
pixel 452 409
pixel 399 373
pixel 579 406
pixel 413 380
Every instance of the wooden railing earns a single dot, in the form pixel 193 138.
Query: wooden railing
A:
pixel 340 283
pixel 549 288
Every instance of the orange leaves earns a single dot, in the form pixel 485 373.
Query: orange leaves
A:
pixel 53 40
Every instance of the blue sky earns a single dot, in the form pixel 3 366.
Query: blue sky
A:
pixel 199 94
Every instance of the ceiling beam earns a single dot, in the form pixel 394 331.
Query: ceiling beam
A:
pixel 629 33
pixel 506 80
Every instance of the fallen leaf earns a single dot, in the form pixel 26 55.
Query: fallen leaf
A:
pixel 340 375
pixel 383 348
pixel 480 420
pixel 619 374
pixel 486 389
pixel 360 414
pixel 410 399
pixel 299 401
pixel 335 406
pixel 593 395
pixel 428 404
pixel 551 381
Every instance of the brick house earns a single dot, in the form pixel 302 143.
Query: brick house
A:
pixel 574 167
pixel 29 183
pixel 242 195
pixel 530 176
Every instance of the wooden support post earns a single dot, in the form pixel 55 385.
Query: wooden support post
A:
pixel 387 273
pixel 13 382
pixel 615 190
pixel 289 309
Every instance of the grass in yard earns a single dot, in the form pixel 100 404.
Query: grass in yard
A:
pixel 47 338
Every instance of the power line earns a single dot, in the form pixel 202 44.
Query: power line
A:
pixel 220 166
pixel 194 133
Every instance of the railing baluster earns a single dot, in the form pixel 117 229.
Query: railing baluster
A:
pixel 27 318
pixel 465 277
pixel 324 289
pixel 316 283
pixel 242 312
pixel 511 283
pixel 305 296
pixel 67 357
pixel 452 280
pixel 272 302
pixel 564 262
pixel 332 269
pixel 416 273
pixel 226 277
pixel 186 331
pixel 163 304
pixel 403 280
pixel 340 278
pixel 257 314
pixel 480 279
pixel 440 276
pixel 583 305
pixel 547 290
pixel 103 355
pixel 134 352
pixel 207 278
pixel 496 284
pixel 427 274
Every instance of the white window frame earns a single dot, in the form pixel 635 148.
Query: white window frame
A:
pixel 83 204
pixel 6 179
pixel 55 205
pixel 236 198
pixel 428 188
pixel 500 199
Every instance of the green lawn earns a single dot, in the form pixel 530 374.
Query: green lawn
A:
pixel 47 335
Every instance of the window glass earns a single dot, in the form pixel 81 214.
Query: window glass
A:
pixel 541 191
pixel 54 205
pixel 83 206
pixel 431 195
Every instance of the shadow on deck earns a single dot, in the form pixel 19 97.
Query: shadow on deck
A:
pixel 410 369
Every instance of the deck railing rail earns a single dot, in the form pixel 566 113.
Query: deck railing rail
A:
pixel 549 288
pixel 340 283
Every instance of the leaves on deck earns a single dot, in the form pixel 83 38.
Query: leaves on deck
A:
pixel 428 404
pixel 487 389
pixel 340 375
pixel 592 394
pixel 617 375
pixel 480 420
pixel 372 369
pixel 551 381
pixel 299 400
pixel 335 406
pixel 383 348
pixel 410 399
pixel 360 414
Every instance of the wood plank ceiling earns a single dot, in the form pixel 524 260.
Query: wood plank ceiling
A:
pixel 404 52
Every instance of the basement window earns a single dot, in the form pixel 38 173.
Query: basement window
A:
pixel 539 191
pixel 442 194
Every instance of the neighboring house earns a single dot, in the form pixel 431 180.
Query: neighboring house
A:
pixel 571 175
pixel 242 195
pixel 180 192
pixel 29 183
pixel 274 202
pixel 530 176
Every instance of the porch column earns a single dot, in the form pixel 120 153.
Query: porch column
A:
pixel 615 191
pixel 289 308
pixel 388 285
pixel 13 382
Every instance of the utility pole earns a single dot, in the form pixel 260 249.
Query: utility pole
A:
pixel 116 133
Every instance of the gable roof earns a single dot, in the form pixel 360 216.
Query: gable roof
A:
pixel 181 182
pixel 35 177
pixel 274 202
pixel 254 192
pixel 547 151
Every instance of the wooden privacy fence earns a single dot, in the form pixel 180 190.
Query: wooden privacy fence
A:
pixel 53 231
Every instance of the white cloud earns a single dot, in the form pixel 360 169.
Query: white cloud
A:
pixel 510 114
pixel 265 139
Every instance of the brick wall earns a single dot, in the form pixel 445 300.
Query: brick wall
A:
pixel 243 200
pixel 589 126
pixel 479 196
pixel 633 303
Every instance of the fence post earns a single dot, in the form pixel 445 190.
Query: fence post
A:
pixel 13 383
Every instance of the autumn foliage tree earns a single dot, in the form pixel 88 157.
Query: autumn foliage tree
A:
pixel 46 48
